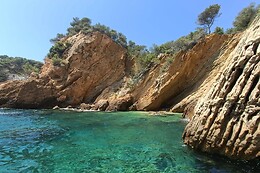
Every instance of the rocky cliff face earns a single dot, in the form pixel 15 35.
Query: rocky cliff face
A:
pixel 94 71
pixel 215 83
pixel 226 120
pixel 190 71
pixel 93 63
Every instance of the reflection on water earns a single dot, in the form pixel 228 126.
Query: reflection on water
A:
pixel 54 141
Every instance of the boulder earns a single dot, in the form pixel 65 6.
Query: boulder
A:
pixel 120 104
pixel 84 106
pixel 101 105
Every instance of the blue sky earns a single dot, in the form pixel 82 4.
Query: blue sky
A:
pixel 28 25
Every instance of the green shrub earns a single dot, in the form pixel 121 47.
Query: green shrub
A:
pixel 3 76
pixel 165 67
pixel 56 52
pixel 183 43
pixel 56 61
pixel 219 30
pixel 230 31
pixel 245 17
pixel 84 26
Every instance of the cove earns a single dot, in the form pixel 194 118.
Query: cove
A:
pixel 59 141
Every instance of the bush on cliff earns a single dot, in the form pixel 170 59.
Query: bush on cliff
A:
pixel 219 30
pixel 84 25
pixel 56 52
pixel 77 25
pixel 183 43
pixel 144 57
pixel 244 18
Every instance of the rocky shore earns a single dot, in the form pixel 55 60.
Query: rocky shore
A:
pixel 215 84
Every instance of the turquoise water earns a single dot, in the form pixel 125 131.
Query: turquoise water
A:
pixel 55 141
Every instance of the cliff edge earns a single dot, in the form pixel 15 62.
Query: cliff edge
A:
pixel 226 120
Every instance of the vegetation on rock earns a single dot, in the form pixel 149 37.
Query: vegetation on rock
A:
pixel 84 25
pixel 56 52
pixel 244 18
pixel 144 57
pixel 219 30
pixel 17 67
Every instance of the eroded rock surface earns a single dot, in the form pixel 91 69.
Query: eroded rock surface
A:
pixel 188 77
pixel 92 63
pixel 226 120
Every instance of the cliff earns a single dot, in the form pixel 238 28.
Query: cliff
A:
pixel 190 71
pixel 96 71
pixel 226 120
pixel 215 83
pixel 91 64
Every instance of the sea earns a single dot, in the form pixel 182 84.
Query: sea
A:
pixel 54 141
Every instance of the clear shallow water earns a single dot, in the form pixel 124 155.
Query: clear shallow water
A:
pixel 55 141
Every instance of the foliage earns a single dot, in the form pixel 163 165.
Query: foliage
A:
pixel 56 52
pixel 219 30
pixel 84 25
pixel 166 65
pixel 113 34
pixel 183 43
pixel 146 58
pixel 77 25
pixel 208 16
pixel 57 38
pixel 143 57
pixel 17 66
pixel 230 31
pixel 58 49
pixel 56 61
pixel 245 17
pixel 135 50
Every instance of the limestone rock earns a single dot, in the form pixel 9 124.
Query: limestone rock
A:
pixel 56 108
pixel 26 94
pixel 91 64
pixel 84 106
pixel 190 71
pixel 101 105
pixel 120 104
pixel 226 120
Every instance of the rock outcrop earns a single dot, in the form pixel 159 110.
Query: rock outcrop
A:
pixel 32 93
pixel 226 120
pixel 93 63
pixel 188 77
